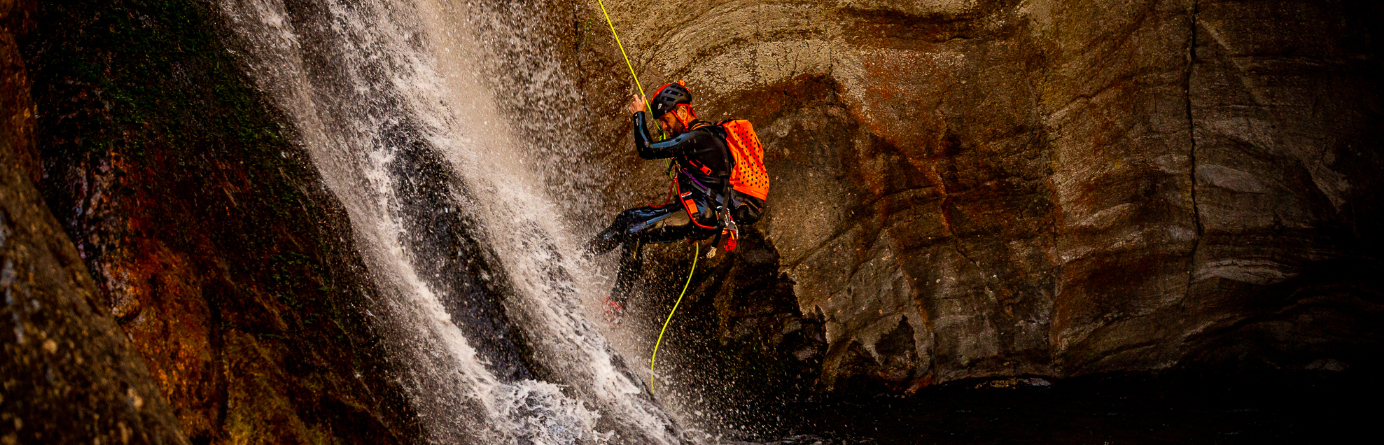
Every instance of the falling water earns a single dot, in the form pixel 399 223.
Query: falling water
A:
pixel 397 104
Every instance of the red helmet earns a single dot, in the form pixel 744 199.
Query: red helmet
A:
pixel 668 97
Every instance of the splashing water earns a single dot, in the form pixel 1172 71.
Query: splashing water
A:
pixel 392 101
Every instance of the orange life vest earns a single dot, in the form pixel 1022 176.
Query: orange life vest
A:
pixel 749 175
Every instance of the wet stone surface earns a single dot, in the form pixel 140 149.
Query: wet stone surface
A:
pixel 995 188
pixel 225 262
pixel 68 374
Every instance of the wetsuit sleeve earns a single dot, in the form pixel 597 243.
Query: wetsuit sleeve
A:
pixel 648 149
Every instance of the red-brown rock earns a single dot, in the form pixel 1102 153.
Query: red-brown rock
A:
pixel 993 188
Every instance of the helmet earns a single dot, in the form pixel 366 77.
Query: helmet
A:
pixel 668 97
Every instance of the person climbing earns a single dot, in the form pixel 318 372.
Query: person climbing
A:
pixel 720 184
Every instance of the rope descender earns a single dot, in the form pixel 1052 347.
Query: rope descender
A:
pixel 728 229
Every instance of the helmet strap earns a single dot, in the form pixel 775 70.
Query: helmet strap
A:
pixel 686 124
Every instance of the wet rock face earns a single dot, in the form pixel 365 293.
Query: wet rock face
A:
pixel 67 372
pixel 987 188
pixel 211 240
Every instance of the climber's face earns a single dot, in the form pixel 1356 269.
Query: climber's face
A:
pixel 672 122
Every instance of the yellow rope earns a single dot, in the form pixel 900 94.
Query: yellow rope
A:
pixel 696 249
pixel 622 48
pixel 638 85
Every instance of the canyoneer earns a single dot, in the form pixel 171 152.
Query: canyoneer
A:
pixel 720 185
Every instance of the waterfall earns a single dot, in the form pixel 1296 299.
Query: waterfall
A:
pixel 398 106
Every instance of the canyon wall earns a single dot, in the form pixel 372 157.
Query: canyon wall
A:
pixel 961 189
pixel 67 372
pixel 228 268
pixel 990 188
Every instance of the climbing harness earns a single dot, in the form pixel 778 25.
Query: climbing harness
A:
pixel 696 252
pixel 748 175
pixel 696 248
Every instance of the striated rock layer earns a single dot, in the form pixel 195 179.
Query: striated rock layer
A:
pixel 994 187
pixel 961 188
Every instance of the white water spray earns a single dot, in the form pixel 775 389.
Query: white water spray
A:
pixel 370 86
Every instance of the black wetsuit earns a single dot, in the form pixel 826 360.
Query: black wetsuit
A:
pixel 704 168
